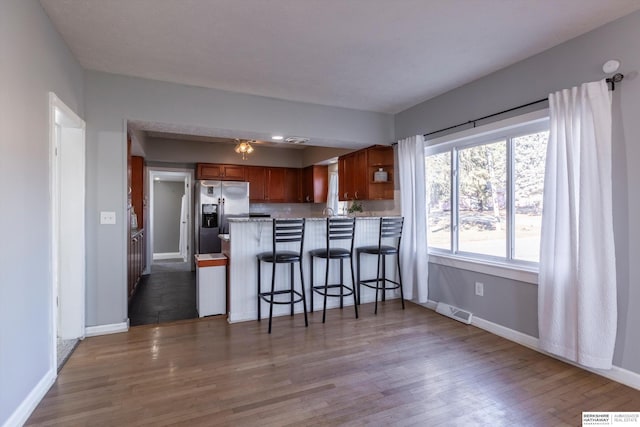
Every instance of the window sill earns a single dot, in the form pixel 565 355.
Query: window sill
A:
pixel 508 271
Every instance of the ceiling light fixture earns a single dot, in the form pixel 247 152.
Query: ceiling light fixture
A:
pixel 297 140
pixel 244 148
pixel 277 137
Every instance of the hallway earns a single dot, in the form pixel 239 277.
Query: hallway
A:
pixel 166 295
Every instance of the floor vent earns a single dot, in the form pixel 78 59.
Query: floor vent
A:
pixel 454 312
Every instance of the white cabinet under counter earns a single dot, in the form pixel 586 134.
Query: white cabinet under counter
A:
pixel 211 284
pixel 250 236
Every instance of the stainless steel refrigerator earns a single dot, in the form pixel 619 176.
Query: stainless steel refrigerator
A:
pixel 216 202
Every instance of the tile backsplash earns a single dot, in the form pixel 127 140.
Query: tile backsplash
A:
pixel 298 210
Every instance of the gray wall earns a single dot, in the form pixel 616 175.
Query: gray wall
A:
pixel 168 150
pixel 167 204
pixel 112 99
pixel 564 66
pixel 33 61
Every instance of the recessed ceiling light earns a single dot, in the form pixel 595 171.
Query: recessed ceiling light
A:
pixel 156 178
pixel 277 137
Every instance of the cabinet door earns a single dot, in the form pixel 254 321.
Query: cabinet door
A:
pixel 209 171
pixel 275 185
pixel 306 190
pixel 360 175
pixel 292 193
pixel 320 183
pixel 233 172
pixel 256 176
pixel 346 177
pixel 137 188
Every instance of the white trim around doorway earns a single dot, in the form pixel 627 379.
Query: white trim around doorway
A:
pixel 173 173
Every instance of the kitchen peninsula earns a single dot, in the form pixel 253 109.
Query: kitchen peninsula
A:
pixel 250 236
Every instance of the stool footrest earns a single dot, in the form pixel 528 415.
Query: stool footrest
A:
pixel 384 286
pixel 322 290
pixel 270 296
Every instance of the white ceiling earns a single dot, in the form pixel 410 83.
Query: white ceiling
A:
pixel 376 55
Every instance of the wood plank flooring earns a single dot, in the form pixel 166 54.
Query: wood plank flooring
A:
pixel 411 367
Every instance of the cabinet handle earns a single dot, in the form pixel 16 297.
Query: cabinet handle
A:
pixel 346 193
pixel 356 195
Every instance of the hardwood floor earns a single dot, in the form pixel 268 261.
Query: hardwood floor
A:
pixel 411 367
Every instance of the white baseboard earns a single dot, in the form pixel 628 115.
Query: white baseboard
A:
pixel 618 374
pixel 166 255
pixel 23 412
pixel 114 328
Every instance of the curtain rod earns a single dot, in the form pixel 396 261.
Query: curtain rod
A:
pixel 616 78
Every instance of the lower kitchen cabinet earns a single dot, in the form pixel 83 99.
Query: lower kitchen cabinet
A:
pixel 136 260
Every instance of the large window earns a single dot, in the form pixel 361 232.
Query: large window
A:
pixel 484 193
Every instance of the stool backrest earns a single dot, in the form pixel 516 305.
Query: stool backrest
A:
pixel 391 228
pixel 341 229
pixel 288 231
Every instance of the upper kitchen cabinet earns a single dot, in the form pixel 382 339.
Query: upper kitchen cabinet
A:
pixel 366 174
pixel 292 185
pixel 267 185
pixel 352 176
pixel 315 183
pixel 256 176
pixel 137 189
pixel 220 172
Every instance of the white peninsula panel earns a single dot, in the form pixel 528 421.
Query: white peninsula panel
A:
pixel 249 236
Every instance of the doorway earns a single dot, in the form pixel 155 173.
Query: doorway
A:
pixel 67 181
pixel 167 291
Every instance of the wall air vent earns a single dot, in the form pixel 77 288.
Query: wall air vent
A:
pixel 296 140
pixel 454 312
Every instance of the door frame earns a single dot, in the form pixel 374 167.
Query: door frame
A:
pixel 61 116
pixel 188 175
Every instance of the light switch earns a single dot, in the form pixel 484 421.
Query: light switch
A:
pixel 107 217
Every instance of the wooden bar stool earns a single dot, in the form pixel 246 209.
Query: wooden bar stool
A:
pixel 337 229
pixel 285 232
pixel 390 230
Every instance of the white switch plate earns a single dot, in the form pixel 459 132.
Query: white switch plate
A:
pixel 479 289
pixel 107 217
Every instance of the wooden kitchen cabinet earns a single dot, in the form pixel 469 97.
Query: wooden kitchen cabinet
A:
pixel 136 185
pixel 136 249
pixel 275 188
pixel 315 184
pixel 220 172
pixel 256 176
pixel 136 262
pixel 266 185
pixel 356 174
pixel 352 176
pixel 292 185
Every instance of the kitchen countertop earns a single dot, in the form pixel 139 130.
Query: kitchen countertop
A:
pixel 312 218
pixel 210 260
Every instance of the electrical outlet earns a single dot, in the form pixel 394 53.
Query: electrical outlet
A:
pixel 107 217
pixel 479 289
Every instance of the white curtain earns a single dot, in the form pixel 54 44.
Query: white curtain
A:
pixel 183 227
pixel 577 310
pixel 413 250
pixel 332 194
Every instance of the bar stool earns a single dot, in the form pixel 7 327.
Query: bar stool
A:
pixel 337 229
pixel 390 229
pixel 285 232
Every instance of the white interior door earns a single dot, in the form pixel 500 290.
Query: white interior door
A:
pixel 67 221
pixel 71 234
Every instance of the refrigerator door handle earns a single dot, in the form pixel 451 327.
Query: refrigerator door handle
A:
pixel 222 217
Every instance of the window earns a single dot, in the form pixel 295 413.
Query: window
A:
pixel 484 191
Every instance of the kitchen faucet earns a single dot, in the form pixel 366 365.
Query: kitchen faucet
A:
pixel 328 211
